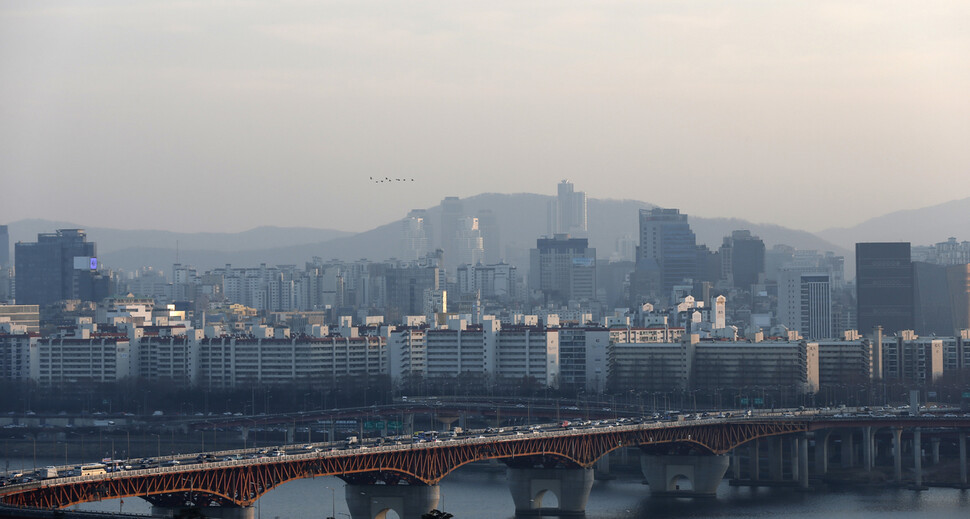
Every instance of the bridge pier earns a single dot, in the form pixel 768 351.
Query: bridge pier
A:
pixel 847 454
pixel 209 512
pixel 570 486
pixel 918 458
pixel 754 458
pixel 897 454
pixel 802 442
pixel 684 475
pixel 963 457
pixel 935 450
pixel 822 452
pixel 867 454
pixel 775 459
pixel 736 463
pixel 373 501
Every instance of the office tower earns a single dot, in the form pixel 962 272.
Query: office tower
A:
pixel 451 213
pixel 884 286
pixel 743 259
pixel 492 236
pixel 563 268
pixel 668 246
pixel 941 298
pixel 470 247
pixel 406 290
pixel 4 246
pixel 60 265
pixel 805 301
pixel 567 214
pixel 415 243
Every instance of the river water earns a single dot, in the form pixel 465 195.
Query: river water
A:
pixel 477 492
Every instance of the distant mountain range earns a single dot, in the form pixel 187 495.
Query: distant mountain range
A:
pixel 521 219
pixel 924 226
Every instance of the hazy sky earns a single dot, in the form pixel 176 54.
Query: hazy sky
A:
pixel 228 115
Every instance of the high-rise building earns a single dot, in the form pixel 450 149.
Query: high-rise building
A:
pixel 470 245
pixel 743 259
pixel 4 246
pixel 563 269
pixel 567 214
pixel 667 245
pixel 60 265
pixel 415 243
pixel 491 234
pixel 805 301
pixel 941 298
pixel 406 287
pixel 884 286
pixel 451 213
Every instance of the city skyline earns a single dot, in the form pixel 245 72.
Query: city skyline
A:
pixel 184 113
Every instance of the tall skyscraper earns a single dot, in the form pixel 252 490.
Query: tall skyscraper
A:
pixel 4 246
pixel 492 236
pixel 668 245
pixel 884 286
pixel 743 259
pixel 451 213
pixel 60 265
pixel 414 236
pixel 567 214
pixel 563 268
pixel 470 245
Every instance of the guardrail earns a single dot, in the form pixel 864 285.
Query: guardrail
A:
pixel 472 437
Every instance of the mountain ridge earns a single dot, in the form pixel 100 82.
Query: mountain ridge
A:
pixel 521 219
pixel 921 226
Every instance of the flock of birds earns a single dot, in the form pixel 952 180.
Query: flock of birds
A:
pixel 380 180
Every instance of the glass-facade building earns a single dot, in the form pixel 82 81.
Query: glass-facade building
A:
pixel 60 265
pixel 884 284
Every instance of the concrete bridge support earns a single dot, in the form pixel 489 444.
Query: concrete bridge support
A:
pixel 374 501
pixel 822 452
pixel 847 454
pixel 684 475
pixel 802 442
pixel 963 457
pixel 918 458
pixel 754 458
pixel 935 451
pixel 570 486
pixel 897 454
pixel 736 463
pixel 795 461
pixel 211 512
pixel 867 452
pixel 776 459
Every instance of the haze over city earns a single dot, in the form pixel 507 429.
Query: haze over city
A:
pixel 213 116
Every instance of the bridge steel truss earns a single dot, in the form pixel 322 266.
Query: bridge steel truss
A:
pixel 237 484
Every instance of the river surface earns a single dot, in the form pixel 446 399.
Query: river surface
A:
pixel 478 492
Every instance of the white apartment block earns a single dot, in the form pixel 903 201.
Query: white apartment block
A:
pixel 87 357
pixel 231 361
pixel 713 365
pixel 15 345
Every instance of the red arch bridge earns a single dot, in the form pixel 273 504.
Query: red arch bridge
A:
pixel 684 457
